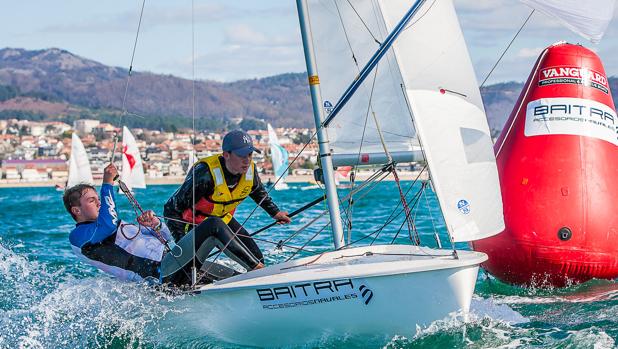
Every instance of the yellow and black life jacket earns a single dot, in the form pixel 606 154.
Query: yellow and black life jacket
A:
pixel 223 202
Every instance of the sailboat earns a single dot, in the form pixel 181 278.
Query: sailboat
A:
pixel 420 100
pixel 79 166
pixel 279 158
pixel 343 173
pixel 132 169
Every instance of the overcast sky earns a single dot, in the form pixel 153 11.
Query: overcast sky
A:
pixel 239 39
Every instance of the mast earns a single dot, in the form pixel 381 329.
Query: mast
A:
pixel 318 115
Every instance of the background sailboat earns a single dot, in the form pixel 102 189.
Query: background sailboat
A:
pixel 79 166
pixel 279 157
pixel 132 169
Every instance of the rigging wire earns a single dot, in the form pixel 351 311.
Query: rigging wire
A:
pixel 345 33
pixel 507 48
pixel 362 21
pixel 194 267
pixel 126 88
pixel 348 211
pixel 308 241
pixel 415 201
pixel 392 217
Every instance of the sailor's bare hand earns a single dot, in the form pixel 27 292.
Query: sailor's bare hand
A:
pixel 148 219
pixel 109 173
pixel 282 217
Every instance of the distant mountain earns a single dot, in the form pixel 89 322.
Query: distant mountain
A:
pixel 58 75
pixel 85 88
pixel 499 100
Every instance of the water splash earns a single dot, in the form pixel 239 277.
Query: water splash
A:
pixel 44 308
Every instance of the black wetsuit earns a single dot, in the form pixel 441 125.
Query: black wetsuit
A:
pixel 182 199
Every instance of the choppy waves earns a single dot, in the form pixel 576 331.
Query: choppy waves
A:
pixel 50 300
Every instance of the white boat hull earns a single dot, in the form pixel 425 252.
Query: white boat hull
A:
pixel 385 294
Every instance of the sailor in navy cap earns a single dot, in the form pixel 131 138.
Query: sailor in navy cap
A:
pixel 222 181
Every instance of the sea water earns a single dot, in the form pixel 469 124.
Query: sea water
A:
pixel 48 299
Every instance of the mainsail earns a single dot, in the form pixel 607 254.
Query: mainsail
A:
pixel 132 170
pixel 279 158
pixel 424 91
pixel 79 166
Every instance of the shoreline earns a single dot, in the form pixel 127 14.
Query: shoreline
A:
pixel 360 176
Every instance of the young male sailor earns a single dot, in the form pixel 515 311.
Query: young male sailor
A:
pixel 135 252
pixel 222 182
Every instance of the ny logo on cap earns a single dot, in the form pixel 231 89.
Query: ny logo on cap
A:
pixel 246 139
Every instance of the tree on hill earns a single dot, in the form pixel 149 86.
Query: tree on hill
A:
pixel 252 124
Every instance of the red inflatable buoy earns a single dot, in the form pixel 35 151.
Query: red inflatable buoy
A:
pixel 557 158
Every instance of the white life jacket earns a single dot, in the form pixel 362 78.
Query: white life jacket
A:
pixel 140 243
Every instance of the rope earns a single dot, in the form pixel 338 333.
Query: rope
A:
pixel 416 198
pixel 411 226
pixel 390 217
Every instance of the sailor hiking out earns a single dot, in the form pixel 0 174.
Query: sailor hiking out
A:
pixel 146 250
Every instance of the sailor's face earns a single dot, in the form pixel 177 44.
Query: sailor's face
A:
pixel 237 164
pixel 89 204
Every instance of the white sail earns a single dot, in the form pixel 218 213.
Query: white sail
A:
pixel 192 158
pixel 449 116
pixel 279 157
pixel 429 69
pixel 340 34
pixel 79 166
pixel 132 169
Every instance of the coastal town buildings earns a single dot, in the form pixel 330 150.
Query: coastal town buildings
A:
pixel 39 151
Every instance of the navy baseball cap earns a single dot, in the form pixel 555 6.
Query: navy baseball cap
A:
pixel 239 143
